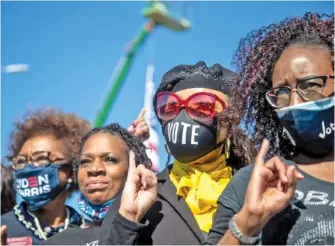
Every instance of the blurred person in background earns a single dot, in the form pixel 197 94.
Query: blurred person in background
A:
pixel 199 111
pixel 287 196
pixel 7 189
pixel 102 173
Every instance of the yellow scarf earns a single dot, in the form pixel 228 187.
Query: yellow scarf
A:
pixel 201 185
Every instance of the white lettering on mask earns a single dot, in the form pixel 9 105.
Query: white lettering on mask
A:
pixel 194 134
pixel 185 126
pixel 33 186
pixel 173 133
pixel 326 131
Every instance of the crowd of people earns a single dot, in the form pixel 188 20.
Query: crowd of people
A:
pixel 252 150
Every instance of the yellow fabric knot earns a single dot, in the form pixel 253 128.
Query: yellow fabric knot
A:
pixel 201 185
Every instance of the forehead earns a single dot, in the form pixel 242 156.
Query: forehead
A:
pixel 43 142
pixel 103 143
pixel 299 62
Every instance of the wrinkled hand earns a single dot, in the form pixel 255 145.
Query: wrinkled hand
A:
pixel 271 187
pixel 140 191
pixel 139 127
pixel 3 230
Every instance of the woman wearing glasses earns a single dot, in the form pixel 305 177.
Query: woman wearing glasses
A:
pixel 287 196
pixel 195 107
pixel 43 147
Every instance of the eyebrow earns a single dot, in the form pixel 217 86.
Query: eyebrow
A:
pixel 281 84
pixel 40 152
pixel 298 80
pixel 103 154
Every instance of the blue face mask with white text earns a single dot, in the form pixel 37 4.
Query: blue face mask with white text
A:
pixel 310 126
pixel 39 185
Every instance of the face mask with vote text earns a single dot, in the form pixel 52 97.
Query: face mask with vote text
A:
pixel 188 140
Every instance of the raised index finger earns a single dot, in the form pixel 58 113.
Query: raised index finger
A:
pixel 132 164
pixel 262 153
pixel 141 115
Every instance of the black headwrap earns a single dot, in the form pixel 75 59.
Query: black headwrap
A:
pixel 199 75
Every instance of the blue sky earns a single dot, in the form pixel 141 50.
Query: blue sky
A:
pixel 73 47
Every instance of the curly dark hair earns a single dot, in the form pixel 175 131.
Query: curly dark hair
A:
pixel 134 143
pixel 68 127
pixel 255 60
pixel 7 189
pixel 242 149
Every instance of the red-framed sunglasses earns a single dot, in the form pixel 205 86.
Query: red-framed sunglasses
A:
pixel 201 106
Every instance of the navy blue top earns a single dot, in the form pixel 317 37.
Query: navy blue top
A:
pixel 21 224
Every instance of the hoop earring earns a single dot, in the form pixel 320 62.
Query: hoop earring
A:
pixel 227 148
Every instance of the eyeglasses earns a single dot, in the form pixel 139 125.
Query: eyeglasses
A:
pixel 310 89
pixel 201 106
pixel 39 158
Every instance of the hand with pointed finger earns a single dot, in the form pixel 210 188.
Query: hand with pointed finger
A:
pixel 3 230
pixel 140 191
pixel 270 189
pixel 139 127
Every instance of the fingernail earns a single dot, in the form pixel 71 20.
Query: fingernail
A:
pixel 142 124
pixel 299 175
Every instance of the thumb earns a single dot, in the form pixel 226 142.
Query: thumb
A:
pixel 3 234
pixel 3 229
pixel 293 179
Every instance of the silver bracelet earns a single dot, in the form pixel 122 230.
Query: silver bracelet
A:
pixel 239 235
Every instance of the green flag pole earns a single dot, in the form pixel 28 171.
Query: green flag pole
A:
pixel 121 74
pixel 158 14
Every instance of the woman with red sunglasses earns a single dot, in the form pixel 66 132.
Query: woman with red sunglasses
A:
pixel 199 114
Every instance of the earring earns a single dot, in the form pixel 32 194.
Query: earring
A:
pixel 69 181
pixel 227 148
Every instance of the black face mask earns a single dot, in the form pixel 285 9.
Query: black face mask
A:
pixel 188 140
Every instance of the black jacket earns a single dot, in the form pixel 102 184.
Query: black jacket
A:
pixel 169 220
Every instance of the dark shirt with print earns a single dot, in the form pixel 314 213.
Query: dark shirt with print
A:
pixel 308 220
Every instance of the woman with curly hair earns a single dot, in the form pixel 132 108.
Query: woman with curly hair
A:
pixel 42 151
pixel 199 114
pixel 287 74
pixel 102 173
